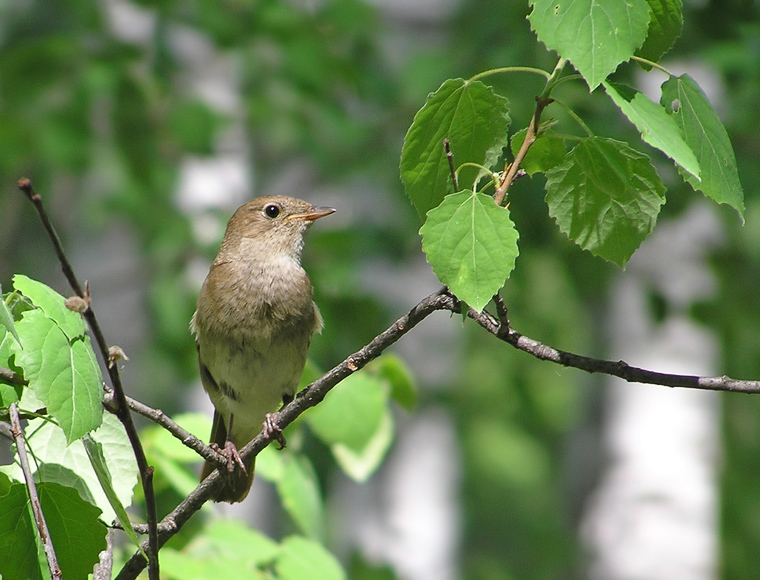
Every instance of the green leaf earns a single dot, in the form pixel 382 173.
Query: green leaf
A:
pixel 708 139
pixel 605 197
pixel 471 243
pixel 664 28
pixel 351 412
pixel 474 120
pixel 63 374
pixel 52 304
pixel 69 465
pixel 100 466
pixel 547 151
pixel 18 545
pixel 304 559
pixel 360 465
pixel 595 36
pixel 75 531
pixel 657 128
pixel 299 491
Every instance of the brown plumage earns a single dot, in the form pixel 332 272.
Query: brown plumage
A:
pixel 253 324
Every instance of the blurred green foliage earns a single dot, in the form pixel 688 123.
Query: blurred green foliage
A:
pixel 101 123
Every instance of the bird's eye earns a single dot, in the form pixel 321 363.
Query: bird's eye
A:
pixel 272 211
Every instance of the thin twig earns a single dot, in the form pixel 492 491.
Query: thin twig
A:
pixel 39 517
pixel 306 399
pixel 12 377
pixel 122 408
pixel 183 435
pixel 450 159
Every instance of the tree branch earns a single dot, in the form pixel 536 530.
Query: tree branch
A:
pixel 39 517
pixel 122 408
pixel 620 369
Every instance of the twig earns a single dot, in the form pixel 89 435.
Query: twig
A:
pixel 183 435
pixel 530 138
pixel 10 376
pixel 122 408
pixel 307 398
pixel 450 158
pixel 39 517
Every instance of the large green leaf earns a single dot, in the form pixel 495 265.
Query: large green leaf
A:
pixel 605 197
pixel 664 28
pixel 657 128
pixel 63 373
pixel 707 137
pixel 471 243
pixel 594 35
pixel 76 532
pixel 473 118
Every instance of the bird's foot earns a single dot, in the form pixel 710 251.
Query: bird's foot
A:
pixel 272 430
pixel 230 452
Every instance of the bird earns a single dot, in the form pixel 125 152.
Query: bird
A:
pixel 253 324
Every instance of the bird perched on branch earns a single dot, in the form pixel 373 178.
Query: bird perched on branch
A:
pixel 253 324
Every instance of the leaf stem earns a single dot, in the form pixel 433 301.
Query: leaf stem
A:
pixel 509 69
pixel 652 64
pixel 575 117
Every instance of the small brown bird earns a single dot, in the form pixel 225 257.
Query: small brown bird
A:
pixel 253 324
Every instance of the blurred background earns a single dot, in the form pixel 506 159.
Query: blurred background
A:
pixel 145 124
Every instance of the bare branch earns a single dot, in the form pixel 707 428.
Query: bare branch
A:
pixel 619 368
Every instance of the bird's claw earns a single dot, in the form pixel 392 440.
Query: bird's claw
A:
pixel 272 430
pixel 230 453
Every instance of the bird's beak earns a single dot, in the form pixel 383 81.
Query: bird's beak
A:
pixel 310 216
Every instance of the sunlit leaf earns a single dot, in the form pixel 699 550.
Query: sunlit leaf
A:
pixel 594 36
pixel 471 243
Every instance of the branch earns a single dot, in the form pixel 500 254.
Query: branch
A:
pixel 306 399
pixel 620 369
pixel 122 408
pixel 163 420
pixel 39 517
